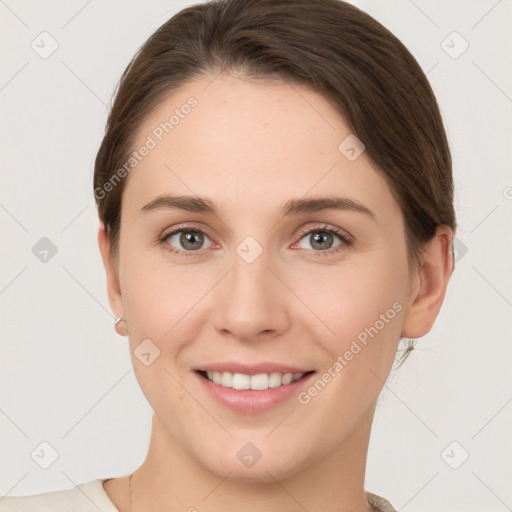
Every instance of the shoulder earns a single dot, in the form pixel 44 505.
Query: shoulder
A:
pixel 382 504
pixel 87 497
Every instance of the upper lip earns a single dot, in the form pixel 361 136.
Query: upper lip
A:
pixel 250 369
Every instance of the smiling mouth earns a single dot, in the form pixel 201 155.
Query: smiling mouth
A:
pixel 258 382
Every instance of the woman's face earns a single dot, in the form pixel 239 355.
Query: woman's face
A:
pixel 253 283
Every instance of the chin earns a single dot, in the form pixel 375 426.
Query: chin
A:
pixel 250 464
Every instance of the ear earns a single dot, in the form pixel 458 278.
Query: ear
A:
pixel 428 285
pixel 114 290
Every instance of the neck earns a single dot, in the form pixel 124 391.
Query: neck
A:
pixel 170 479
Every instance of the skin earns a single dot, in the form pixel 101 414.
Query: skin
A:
pixel 250 146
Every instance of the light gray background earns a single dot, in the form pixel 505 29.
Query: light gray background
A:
pixel 66 376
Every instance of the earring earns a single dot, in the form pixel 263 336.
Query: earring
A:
pixel 121 330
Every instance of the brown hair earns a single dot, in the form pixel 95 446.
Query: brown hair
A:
pixel 328 46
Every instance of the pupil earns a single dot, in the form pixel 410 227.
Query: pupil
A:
pixel 318 237
pixel 187 240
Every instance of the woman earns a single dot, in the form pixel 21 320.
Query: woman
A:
pixel 275 199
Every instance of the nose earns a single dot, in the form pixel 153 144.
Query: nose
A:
pixel 251 302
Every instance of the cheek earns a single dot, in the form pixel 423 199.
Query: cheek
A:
pixel 353 297
pixel 163 301
pixel 153 289
pixel 159 303
pixel 364 308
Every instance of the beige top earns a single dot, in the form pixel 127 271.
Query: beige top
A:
pixel 91 497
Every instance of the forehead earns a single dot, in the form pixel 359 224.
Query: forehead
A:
pixel 235 140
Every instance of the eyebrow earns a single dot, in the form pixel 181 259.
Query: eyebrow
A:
pixel 292 207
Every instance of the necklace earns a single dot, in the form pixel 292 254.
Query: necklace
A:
pixel 130 486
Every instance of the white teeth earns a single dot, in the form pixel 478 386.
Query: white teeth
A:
pixel 261 381
pixel 287 378
pixel 241 381
pixel 274 380
pixel 226 379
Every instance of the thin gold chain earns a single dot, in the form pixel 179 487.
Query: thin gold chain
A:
pixel 130 486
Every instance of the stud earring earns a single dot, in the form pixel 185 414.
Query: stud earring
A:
pixel 120 329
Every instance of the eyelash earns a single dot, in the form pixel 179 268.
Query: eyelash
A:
pixel 345 240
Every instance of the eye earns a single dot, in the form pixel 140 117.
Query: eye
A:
pixel 185 241
pixel 321 240
pixel 188 241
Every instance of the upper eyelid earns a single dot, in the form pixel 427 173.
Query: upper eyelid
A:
pixel 169 231
pixel 326 227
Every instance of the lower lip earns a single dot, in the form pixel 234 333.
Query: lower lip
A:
pixel 249 401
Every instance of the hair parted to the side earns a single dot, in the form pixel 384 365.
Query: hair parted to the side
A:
pixel 329 46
